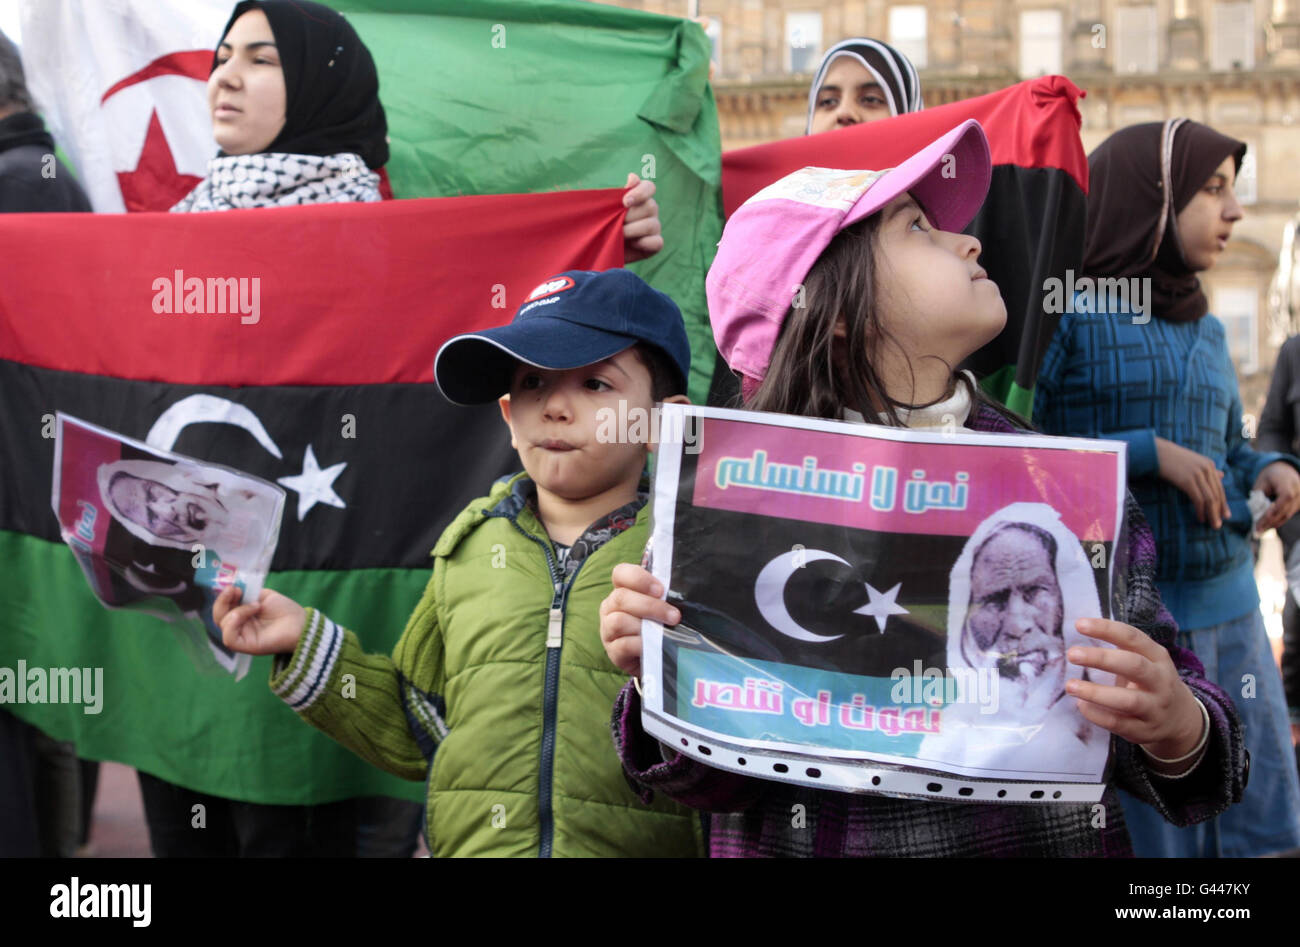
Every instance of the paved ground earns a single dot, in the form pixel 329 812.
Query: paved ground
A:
pixel 118 829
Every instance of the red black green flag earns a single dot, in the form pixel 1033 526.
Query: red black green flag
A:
pixel 296 344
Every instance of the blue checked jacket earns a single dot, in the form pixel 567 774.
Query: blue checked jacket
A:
pixel 1106 376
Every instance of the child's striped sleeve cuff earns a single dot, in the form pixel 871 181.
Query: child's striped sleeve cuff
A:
pixel 300 678
pixel 425 717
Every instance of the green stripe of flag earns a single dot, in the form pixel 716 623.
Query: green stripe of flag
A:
pixel 47 599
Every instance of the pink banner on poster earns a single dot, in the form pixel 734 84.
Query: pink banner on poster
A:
pixel 84 522
pixel 898 486
pixel 83 452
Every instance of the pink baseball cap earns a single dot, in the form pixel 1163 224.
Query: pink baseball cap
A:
pixel 771 242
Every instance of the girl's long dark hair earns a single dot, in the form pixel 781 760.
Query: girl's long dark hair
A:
pixel 815 374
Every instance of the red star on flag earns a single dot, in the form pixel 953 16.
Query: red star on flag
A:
pixel 155 184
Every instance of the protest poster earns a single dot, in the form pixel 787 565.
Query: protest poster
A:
pixel 162 533
pixel 875 609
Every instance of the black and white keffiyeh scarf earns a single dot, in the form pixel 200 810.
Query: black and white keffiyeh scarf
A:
pixel 276 179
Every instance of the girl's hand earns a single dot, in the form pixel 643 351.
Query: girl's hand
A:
pixel 641 230
pixel 1281 484
pixel 271 625
pixel 637 594
pixel 1148 704
pixel 1196 476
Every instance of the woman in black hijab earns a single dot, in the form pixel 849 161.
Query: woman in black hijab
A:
pixel 1140 180
pixel 294 97
pixel 331 85
pixel 1139 358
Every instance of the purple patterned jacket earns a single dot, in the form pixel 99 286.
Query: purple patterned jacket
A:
pixel 754 817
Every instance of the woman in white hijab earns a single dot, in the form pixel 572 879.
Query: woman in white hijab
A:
pixel 861 80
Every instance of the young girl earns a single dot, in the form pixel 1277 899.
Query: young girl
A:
pixel 893 297
pixel 1160 210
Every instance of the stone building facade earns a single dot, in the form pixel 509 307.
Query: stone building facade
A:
pixel 1232 64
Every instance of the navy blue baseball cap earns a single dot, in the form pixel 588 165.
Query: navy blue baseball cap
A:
pixel 575 318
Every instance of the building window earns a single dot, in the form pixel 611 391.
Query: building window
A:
pixel 1237 308
pixel 803 40
pixel 1132 114
pixel 1246 186
pixel 1136 36
pixel 907 33
pixel 1040 42
pixel 1232 38
pixel 713 30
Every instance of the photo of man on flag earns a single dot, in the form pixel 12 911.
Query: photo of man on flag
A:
pixel 152 528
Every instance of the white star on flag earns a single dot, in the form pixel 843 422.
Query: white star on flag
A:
pixel 314 485
pixel 881 605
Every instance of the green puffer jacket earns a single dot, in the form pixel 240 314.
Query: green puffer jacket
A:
pixel 500 671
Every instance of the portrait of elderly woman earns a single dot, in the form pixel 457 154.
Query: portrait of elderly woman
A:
pixel 184 506
pixel 1014 594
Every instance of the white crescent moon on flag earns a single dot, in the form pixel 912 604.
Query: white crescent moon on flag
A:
pixel 769 592
pixel 199 409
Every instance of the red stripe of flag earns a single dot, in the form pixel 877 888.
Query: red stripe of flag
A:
pixel 345 293
pixel 1033 124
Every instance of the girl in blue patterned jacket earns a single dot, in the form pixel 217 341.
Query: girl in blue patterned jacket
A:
pixel 1143 360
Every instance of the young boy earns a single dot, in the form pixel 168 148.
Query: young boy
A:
pixel 501 670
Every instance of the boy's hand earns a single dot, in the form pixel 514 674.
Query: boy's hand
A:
pixel 637 594
pixel 1149 703
pixel 271 625
pixel 1196 476
pixel 1281 484
pixel 641 230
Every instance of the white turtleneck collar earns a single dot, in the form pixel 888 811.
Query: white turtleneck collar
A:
pixel 946 414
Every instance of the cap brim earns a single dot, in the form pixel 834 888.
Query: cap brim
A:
pixel 949 178
pixel 477 367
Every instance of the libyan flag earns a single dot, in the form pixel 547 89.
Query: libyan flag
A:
pixel 497 97
pixel 1031 225
pixel 489 97
pixel 296 344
